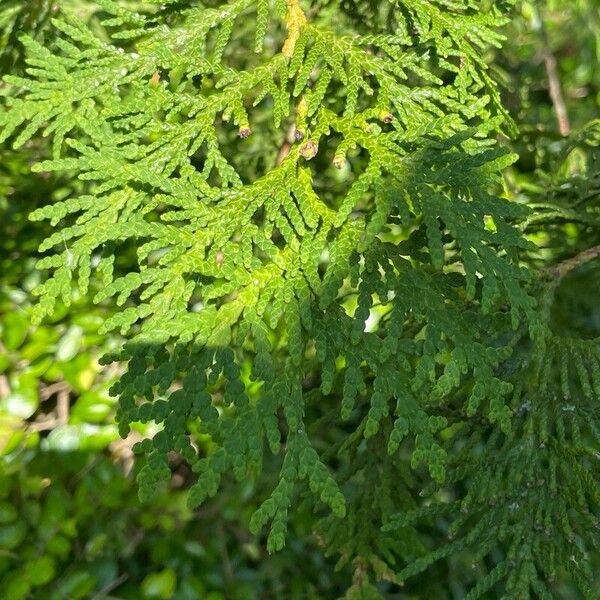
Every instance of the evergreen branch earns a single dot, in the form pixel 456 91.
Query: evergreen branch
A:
pixel 316 226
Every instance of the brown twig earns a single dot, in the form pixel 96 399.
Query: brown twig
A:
pixel 4 387
pixel 63 404
pixel 555 88
pixel 60 416
pixel 285 148
pixel 44 423
pixel 122 450
pixel 55 388
pixel 561 269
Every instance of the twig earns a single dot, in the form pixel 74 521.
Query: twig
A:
pixel 55 388
pixel 287 145
pixel 63 404
pixel 555 87
pixel 46 422
pixel 227 568
pixel 110 587
pixel 561 269
pixel 122 449
pixel 4 387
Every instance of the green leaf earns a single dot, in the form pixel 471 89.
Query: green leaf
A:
pixel 70 344
pixel 64 438
pixel 160 585
pixel 23 399
pixel 10 434
pixel 40 571
pixel 59 546
pixel 91 407
pixel 12 535
pixel 15 326
pixel 79 584
pixel 8 513
pixel 18 587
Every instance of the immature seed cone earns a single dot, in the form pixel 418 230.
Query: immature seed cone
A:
pixel 387 117
pixel 155 79
pixel 339 161
pixel 309 149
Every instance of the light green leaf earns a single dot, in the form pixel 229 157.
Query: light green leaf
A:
pixel 69 344
pixel 23 399
pixel 160 585
pixel 12 535
pixel 40 571
pixel 14 330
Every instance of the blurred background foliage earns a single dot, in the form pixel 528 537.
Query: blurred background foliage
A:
pixel 71 525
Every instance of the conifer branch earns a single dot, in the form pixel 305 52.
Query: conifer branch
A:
pixel 353 269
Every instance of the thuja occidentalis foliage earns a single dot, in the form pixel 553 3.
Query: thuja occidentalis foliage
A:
pixel 313 192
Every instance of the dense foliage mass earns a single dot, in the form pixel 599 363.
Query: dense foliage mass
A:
pixel 337 257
